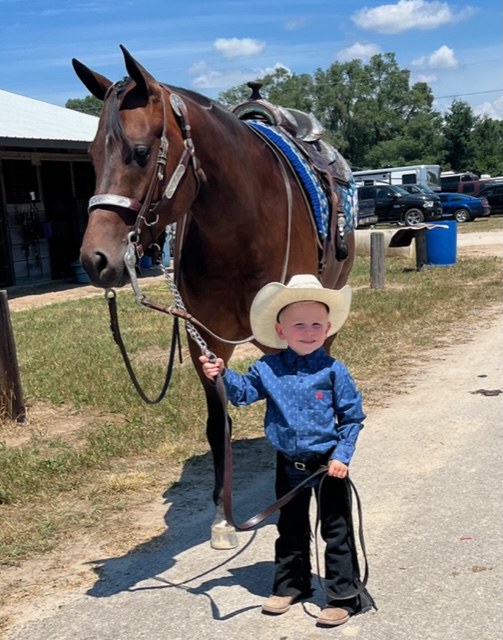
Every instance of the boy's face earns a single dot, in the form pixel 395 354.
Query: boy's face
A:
pixel 304 325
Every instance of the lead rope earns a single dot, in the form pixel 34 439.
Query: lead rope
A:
pixel 265 513
pixel 253 521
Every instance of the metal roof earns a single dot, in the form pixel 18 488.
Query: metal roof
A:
pixel 23 118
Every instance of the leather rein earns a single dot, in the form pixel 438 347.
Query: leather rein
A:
pixel 134 251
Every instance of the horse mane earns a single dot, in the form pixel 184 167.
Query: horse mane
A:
pixel 115 131
pixel 202 101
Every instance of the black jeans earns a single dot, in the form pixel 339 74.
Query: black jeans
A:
pixel 292 564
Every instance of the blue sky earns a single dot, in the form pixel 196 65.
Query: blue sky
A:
pixel 210 46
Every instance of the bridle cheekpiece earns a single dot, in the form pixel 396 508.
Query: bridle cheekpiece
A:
pixel 147 207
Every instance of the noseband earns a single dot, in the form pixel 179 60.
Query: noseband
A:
pixel 147 208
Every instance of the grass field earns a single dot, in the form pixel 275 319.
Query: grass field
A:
pixel 93 449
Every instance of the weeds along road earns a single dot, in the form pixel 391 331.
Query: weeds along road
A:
pixel 428 468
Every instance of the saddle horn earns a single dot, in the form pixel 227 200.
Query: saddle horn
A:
pixel 255 87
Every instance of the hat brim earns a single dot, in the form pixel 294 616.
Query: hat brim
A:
pixel 275 296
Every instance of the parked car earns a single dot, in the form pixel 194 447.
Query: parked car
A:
pixel 464 208
pixel 494 195
pixel 473 187
pixel 366 213
pixel 456 205
pixel 394 204
pixel 449 180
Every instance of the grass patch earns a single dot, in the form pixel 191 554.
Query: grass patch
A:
pixel 54 483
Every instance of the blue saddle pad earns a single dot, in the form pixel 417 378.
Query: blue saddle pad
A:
pixel 315 193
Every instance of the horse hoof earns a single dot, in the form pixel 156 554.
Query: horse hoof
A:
pixel 223 537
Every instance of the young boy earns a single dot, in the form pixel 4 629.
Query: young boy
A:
pixel 313 417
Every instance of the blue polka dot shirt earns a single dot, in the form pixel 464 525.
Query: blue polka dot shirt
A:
pixel 312 404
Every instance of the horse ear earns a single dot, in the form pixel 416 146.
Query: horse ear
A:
pixel 96 83
pixel 138 73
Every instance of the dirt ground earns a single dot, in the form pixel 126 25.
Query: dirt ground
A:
pixel 38 586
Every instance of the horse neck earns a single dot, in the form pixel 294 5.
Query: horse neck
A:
pixel 229 156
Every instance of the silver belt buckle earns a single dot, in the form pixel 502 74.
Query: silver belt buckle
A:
pixel 300 466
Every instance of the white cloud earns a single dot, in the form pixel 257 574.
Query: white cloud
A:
pixel 442 58
pixel 425 77
pixel 206 78
pixel 409 14
pixel 358 50
pixel 234 47
pixel 294 23
pixel 491 109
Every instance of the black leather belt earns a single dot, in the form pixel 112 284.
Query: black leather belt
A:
pixel 309 464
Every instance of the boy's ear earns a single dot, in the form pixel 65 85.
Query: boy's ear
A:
pixel 328 327
pixel 279 331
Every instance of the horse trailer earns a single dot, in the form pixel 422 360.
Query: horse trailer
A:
pixel 426 174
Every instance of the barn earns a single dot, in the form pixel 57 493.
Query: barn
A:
pixel 46 180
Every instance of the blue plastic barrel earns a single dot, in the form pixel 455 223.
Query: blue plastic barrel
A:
pixel 145 262
pixel 166 254
pixel 441 243
pixel 79 273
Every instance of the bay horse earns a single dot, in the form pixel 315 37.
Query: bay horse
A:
pixel 166 155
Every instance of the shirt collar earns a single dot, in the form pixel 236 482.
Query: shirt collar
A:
pixel 316 357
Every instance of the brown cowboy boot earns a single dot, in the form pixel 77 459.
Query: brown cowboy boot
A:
pixel 332 617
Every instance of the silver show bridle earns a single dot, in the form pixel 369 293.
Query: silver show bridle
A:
pixel 145 209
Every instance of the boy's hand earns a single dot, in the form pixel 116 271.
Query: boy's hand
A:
pixel 211 369
pixel 337 469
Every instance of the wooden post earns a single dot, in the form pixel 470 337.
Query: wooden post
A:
pixel 11 394
pixel 421 260
pixel 376 260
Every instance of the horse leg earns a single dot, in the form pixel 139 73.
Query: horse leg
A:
pixel 223 535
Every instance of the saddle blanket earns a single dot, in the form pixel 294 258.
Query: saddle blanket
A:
pixel 315 193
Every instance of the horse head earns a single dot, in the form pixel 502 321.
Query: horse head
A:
pixel 140 187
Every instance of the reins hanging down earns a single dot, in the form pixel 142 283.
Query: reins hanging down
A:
pixel 114 327
pixel 253 521
pixel 177 312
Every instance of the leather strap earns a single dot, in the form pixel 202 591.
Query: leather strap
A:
pixel 175 337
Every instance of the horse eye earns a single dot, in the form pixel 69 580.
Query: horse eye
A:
pixel 141 154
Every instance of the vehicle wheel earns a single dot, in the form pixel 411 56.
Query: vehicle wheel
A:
pixel 412 217
pixel 462 215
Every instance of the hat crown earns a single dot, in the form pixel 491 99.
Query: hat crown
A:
pixel 304 281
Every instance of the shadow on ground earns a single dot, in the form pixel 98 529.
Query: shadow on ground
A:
pixel 188 518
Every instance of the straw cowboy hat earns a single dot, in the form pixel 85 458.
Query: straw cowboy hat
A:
pixel 272 298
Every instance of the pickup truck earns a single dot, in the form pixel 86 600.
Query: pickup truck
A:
pixel 394 204
pixel 366 213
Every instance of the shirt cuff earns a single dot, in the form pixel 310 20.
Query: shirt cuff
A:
pixel 343 453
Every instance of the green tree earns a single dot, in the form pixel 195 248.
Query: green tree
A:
pixel 280 87
pixel 90 105
pixel 388 114
pixel 487 139
pixel 374 117
pixel 459 122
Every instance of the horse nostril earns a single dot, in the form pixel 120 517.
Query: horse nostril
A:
pixel 100 262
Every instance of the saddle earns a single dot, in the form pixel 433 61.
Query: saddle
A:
pixel 331 169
